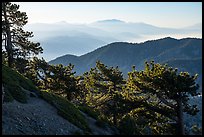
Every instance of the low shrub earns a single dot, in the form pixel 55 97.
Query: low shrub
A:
pixel 7 97
pixel 89 111
pixel 17 93
pixel 101 123
pixel 13 81
pixel 128 126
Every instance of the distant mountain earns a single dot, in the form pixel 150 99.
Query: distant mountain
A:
pixel 185 54
pixel 193 66
pixel 94 34
pixel 140 28
pixel 195 27
pixel 110 21
pixel 62 45
pixel 66 59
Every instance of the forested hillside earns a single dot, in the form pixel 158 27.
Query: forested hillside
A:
pixel 151 88
pixel 125 55
pixel 185 54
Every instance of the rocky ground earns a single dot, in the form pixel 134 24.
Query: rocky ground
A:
pixel 37 117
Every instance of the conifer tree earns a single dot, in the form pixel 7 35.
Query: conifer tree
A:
pixel 171 89
pixel 39 71
pixel 15 40
pixel 63 81
pixel 105 90
pixel 58 79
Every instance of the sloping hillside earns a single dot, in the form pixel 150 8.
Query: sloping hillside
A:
pixel 193 66
pixel 28 111
pixel 36 117
pixel 125 55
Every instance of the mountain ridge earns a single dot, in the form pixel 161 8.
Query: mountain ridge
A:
pixel 124 54
pixel 107 31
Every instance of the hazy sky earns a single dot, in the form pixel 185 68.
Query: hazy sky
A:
pixel 162 14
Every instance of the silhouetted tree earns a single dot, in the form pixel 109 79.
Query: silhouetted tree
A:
pixel 15 40
pixel 58 79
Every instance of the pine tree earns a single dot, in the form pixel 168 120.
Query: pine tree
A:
pixel 39 71
pixel 104 87
pixel 171 90
pixel 15 40
pixel 58 79
pixel 63 81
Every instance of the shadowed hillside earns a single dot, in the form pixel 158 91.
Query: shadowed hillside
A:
pixel 125 55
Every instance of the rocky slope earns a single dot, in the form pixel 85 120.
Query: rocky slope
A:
pixel 37 117
pixel 28 111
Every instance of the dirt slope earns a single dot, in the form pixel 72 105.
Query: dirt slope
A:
pixel 37 117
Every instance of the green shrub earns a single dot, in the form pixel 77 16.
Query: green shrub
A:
pixel 89 111
pixel 8 97
pixel 12 77
pixel 13 81
pixel 18 94
pixel 128 126
pixel 101 123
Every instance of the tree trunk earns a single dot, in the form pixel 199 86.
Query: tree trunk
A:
pixel 3 94
pixel 180 118
pixel 115 109
pixel 8 43
pixel 114 119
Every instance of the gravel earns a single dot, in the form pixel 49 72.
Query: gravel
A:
pixel 37 117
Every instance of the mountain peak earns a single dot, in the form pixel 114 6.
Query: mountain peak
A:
pixel 61 22
pixel 110 21
pixel 169 38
